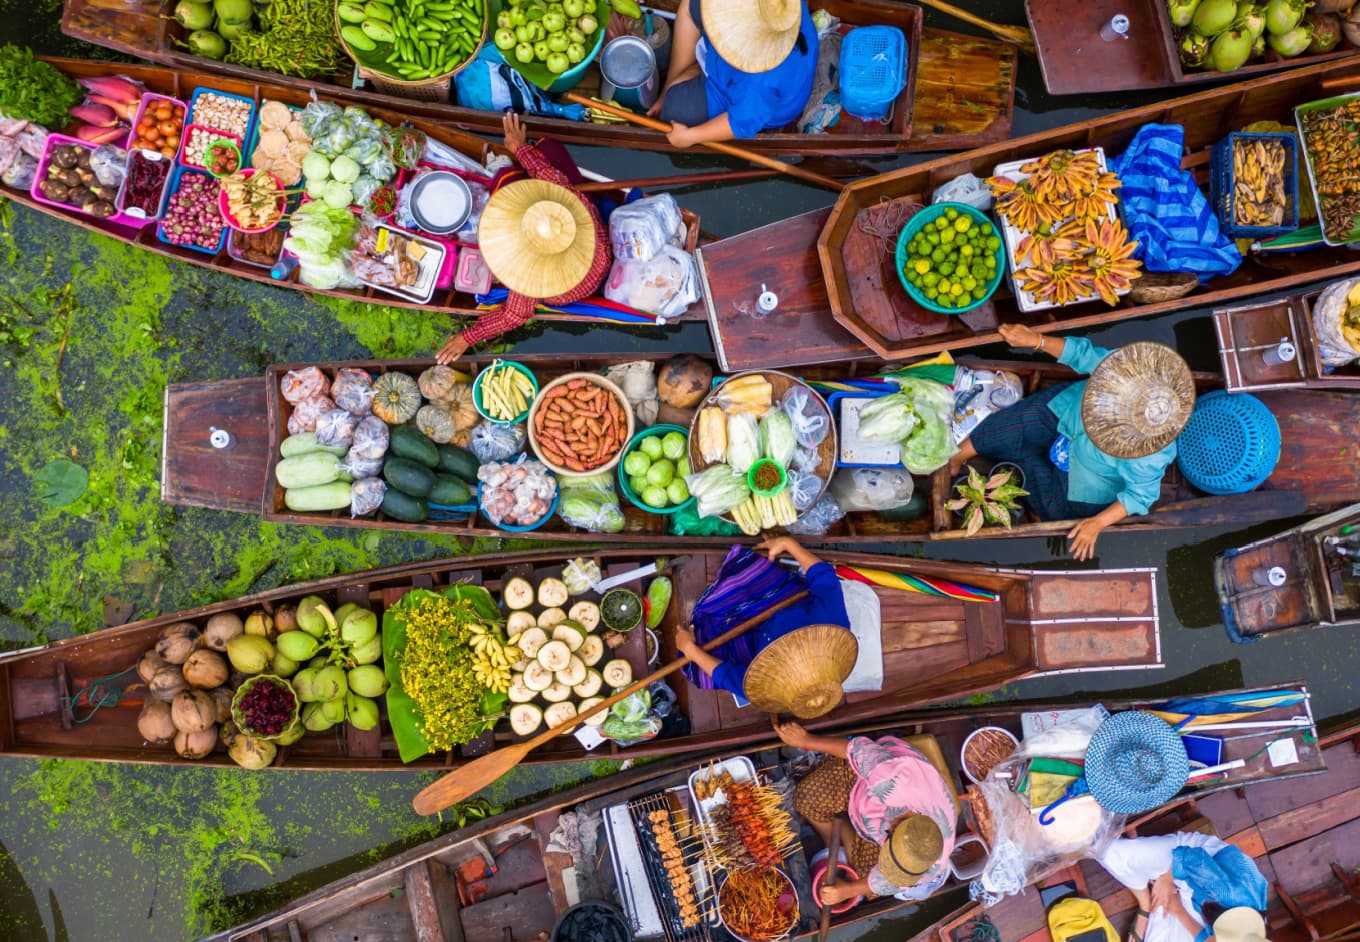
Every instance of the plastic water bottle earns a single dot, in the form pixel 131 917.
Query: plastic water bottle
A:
pixel 1282 352
pixel 1116 28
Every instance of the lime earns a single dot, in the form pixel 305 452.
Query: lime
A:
pixel 922 266
pixel 962 223
pixel 951 214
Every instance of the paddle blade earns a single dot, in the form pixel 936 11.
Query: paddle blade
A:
pixel 467 780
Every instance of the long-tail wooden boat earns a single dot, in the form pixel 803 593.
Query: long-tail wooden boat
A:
pixel 1246 333
pixel 180 83
pixel 834 274
pixel 1301 833
pixel 1311 476
pixel 934 650
pixel 960 89
pixel 1313 586
pixel 438 890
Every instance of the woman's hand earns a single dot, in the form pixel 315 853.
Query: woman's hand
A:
pixel 454 348
pixel 1164 895
pixel 655 110
pixel 681 135
pixel 1021 336
pixel 779 546
pixel 831 895
pixel 684 640
pixel 792 734
pixel 515 135
pixel 1082 538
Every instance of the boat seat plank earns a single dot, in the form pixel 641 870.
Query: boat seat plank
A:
pixel 965 91
pixel 691 577
pixel 446 900
pixel 196 474
pixel 420 900
pixel 898 605
pixel 1268 799
pixel 1094 645
pixel 984 627
pixel 1308 864
pixel 1311 423
pixel 383 919
pixel 906 636
pixel 1244 333
pixel 905 667
pixel 525 914
pixel 1090 595
pixel 1310 820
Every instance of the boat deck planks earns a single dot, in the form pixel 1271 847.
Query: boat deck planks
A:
pixel 965 91
pixel 195 473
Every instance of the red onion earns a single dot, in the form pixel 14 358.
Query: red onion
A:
pixel 192 217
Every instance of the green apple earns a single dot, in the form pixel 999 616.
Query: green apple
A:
pixel 557 42
pixel 677 492
pixel 661 473
pixel 554 22
pixel 654 497
pixel 524 52
pixel 505 39
pixel 636 463
pixel 575 35
pixel 524 34
pixel 558 61
pixel 504 20
pixel 573 8
pixel 575 52
pixel 673 445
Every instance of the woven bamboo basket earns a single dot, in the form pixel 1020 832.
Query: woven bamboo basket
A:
pixel 1155 286
pixel 434 88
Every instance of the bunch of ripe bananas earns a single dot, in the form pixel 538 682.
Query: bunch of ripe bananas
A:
pixel 492 658
pixel 1259 198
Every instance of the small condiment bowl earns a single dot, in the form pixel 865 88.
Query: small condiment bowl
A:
pixel 753 472
pixel 221 143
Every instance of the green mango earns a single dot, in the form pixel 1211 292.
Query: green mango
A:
pixel 378 31
pixel 351 13
pixel 357 38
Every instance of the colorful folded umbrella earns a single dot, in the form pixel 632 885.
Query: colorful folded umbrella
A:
pixel 595 309
pixel 939 367
pixel 927 585
pixel 1188 712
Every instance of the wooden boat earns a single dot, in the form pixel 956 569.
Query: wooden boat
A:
pixel 1311 475
pixel 437 891
pixel 959 93
pixel 1301 833
pixel 1246 332
pixel 838 289
pixel 935 650
pixel 1075 60
pixel 180 84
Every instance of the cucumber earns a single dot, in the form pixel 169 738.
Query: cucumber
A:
pixel 351 13
pixel 356 38
pixel 332 496
pixel 404 507
pixel 457 461
pixel 409 442
pixel 408 476
pixel 378 31
pixel 305 442
pixel 449 490
pixel 308 470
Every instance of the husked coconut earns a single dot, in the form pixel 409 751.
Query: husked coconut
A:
pixel 221 628
pixel 167 682
pixel 193 711
pixel 155 723
pixel 196 745
pixel 178 641
pixel 206 669
pixel 148 664
pixel 222 696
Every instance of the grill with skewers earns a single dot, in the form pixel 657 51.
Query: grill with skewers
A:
pixel 672 856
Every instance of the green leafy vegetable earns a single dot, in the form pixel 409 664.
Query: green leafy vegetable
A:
pixel 776 437
pixel 32 90
pixel 61 482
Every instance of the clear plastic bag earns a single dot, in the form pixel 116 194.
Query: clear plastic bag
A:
pixel 743 441
pixel 366 496
pixel 810 421
pixel 307 413
pixel 318 117
pixel 109 164
pixel 353 391
pixel 872 488
pixel 717 489
pixel 978 394
pixel 638 382
pixel 20 173
pixel 518 493
pixel 965 188
pixel 371 437
pixel 591 503
pixel 664 285
pixel 437 152
pixel 336 428
pixel 803 489
pixel 777 441
pixel 9 153
pixel 639 230
pixel 357 466
pixel 492 442
pixel 806 459
pixel 819 520
pixel 305 383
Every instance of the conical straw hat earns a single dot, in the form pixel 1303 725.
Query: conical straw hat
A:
pixel 913 847
pixel 802 672
pixel 1137 400
pixel 537 238
pixel 752 35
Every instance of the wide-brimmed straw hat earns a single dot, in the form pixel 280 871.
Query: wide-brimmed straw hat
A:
pixel 802 672
pixel 914 846
pixel 752 36
pixel 537 238
pixel 1135 762
pixel 1240 924
pixel 1137 400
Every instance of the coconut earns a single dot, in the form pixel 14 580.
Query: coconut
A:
pixel 297 645
pixel 251 753
pixel 334 710
pixel 250 654
pixel 359 627
pixel 285 618
pixel 283 665
pixel 1229 50
pixel 193 711
pixel 330 683
pixel 220 629
pixel 1326 31
pixel 361 712
pixel 206 669
pixel 196 745
pixel 315 719
pixel 314 617
pixel 1350 26
pixel 1292 43
pixel 684 381
pixel 1253 20
pixel 1214 16
pixel 304 684
pixel 344 611
pixel 261 624
pixel 291 735
pixel 176 642
pixel 1181 13
pixel 367 681
pixel 167 683
pixel 154 722
pixel 368 652
pixel 148 664
pixel 1194 50
pixel 222 696
pixel 1283 15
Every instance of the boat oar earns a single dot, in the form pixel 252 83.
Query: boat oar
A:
pixel 833 867
pixel 721 147
pixel 676 179
pixel 471 778
pixel 1020 35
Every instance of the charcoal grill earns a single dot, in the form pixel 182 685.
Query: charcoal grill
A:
pixel 657 879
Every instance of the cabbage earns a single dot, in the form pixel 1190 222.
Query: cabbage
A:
pixel 338 195
pixel 315 167
pixel 344 169
pixel 776 437
pixel 888 418
pixel 743 442
pixel 931 444
pixel 717 489
pixel 319 235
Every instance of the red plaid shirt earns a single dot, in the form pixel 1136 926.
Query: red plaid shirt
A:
pixel 518 308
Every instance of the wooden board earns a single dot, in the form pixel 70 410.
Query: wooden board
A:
pixel 195 473
pixel 1315 425
pixel 965 92
pixel 1247 331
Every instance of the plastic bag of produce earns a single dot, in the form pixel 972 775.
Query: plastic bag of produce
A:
pixel 357 466
pixel 743 442
pixel 20 173
pixel 305 383
pixel 979 393
pixel 819 520
pixel 889 418
pixel 9 153
pixel 810 421
pixel 871 488
pixel 307 413
pixel 663 285
pixel 803 489
pixel 965 188
pixel 492 442
pixel 581 574
pixel 640 229
pixel 318 117
pixel 687 522
pixel 517 493
pixel 336 428
pixel 806 459
pixel 353 391
pixel 631 719
pixel 1338 341
pixel 638 382
pixel 591 503
pixel 776 437
pixel 366 496
pixel 717 489
pixel 109 164
pixel 371 437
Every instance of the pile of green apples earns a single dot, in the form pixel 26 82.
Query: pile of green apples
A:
pixel 555 34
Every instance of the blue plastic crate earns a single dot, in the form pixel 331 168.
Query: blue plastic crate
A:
pixel 873 70
pixel 247 138
pixel 1230 445
pixel 171 185
pixel 1221 186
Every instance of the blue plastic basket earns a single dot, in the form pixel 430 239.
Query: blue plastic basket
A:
pixel 1221 186
pixel 171 185
pixel 873 70
pixel 1230 445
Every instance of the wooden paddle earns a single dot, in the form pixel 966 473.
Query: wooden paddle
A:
pixel 833 868
pixel 467 780
pixel 721 147
pixel 676 179
pixel 1019 35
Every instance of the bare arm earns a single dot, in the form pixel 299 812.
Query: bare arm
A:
pixel 714 129
pixel 686 645
pixel 788 546
pixel 1027 338
pixel 793 734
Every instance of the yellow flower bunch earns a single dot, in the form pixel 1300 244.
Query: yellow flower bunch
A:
pixel 437 669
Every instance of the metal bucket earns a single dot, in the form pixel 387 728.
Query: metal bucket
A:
pixel 628 72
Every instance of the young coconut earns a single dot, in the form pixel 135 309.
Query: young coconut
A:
pixel 196 745
pixel 251 753
pixel 148 664
pixel 167 683
pixel 314 617
pixel 291 735
pixel 206 669
pixel 262 624
pixel 193 711
pixel 285 618
pixel 176 642
pixel 222 696
pixel 154 722
pixel 221 628
pixel 249 654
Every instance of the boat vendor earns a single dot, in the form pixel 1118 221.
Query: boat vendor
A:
pixel 901 812
pixel 1095 449
pixel 737 67
pixel 541 237
pixel 824 605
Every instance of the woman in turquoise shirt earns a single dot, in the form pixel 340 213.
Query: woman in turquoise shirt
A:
pixel 737 67
pixel 1095 449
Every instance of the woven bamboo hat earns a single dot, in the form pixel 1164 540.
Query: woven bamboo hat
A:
pixel 914 846
pixel 802 672
pixel 537 238
pixel 752 36
pixel 1240 924
pixel 1137 400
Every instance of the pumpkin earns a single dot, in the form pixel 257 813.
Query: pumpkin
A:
pixel 462 438
pixel 459 405
pixel 437 382
pixel 436 423
pixel 396 398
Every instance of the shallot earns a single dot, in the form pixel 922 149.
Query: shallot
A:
pixel 192 217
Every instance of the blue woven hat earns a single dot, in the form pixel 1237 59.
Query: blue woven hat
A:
pixel 1135 762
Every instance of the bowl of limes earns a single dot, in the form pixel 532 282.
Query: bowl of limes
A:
pixel 950 258
pixel 652 472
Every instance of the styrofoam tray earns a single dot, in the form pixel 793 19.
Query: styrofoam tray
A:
pixel 740 768
pixel 855 451
pixel 430 267
pixel 1012 235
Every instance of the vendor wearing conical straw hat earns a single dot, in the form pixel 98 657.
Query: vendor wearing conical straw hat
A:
pixel 541 237
pixel 1095 449
pixel 737 67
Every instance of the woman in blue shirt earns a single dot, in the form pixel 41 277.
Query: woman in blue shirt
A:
pixel 824 605
pixel 737 67
pixel 1095 449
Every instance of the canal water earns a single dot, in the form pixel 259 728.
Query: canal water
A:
pixel 108 853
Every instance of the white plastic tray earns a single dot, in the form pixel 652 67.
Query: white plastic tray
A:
pixel 855 450
pixel 740 768
pixel 423 289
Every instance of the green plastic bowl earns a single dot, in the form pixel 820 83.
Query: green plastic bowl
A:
pixel 767 492
pixel 633 496
pixel 918 222
pixel 477 392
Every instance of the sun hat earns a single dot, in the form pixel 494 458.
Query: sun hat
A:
pixel 752 37
pixel 1240 924
pixel 914 846
pixel 1135 762
pixel 1137 400
pixel 802 672
pixel 537 238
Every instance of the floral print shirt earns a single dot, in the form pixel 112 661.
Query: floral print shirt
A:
pixel 893 779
